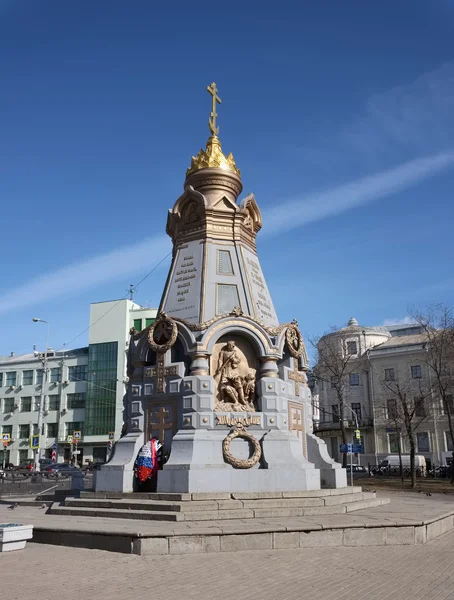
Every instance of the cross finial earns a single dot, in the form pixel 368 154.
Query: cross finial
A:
pixel 213 90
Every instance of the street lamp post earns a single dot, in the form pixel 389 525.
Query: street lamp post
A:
pixel 43 396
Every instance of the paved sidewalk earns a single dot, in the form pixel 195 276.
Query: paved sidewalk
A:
pixel 381 573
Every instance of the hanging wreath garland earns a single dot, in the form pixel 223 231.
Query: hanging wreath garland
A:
pixel 240 432
pixel 146 464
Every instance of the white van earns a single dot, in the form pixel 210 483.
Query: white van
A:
pixel 393 461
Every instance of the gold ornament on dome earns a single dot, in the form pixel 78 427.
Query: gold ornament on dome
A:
pixel 213 157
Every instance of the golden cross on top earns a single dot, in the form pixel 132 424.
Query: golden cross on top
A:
pixel 213 90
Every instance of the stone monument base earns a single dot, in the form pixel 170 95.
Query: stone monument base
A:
pixel 237 480
pixel 197 464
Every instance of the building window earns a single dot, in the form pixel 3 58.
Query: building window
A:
pixel 39 377
pixel 102 388
pixel 1 379
pixel 416 372
pixel 78 373
pixel 24 431
pixel 26 404
pixel 27 378
pixel 8 405
pixel 138 324
pixel 420 409
pixel 74 426
pixel 8 429
pixel 225 266
pixel 333 381
pixel 351 348
pixel 391 406
pixel 149 322
pixel 52 430
pixel 356 408
pixel 423 441
pixel 55 375
pixel 393 442
pixel 76 400
pixel 448 405
pixel 390 375
pixel 23 455
pixel 226 298
pixel 54 401
pixel 335 413
pixel 354 378
pixel 447 438
pixel 10 378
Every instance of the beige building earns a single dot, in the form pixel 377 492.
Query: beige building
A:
pixel 378 356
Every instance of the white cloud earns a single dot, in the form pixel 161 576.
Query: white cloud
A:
pixel 415 117
pixel 314 207
pixel 95 271
pixel 405 321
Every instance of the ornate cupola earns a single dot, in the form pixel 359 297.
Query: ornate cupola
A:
pixel 215 266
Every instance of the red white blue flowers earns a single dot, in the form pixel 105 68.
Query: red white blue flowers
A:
pixel 147 461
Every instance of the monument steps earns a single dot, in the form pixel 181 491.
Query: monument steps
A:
pixel 214 510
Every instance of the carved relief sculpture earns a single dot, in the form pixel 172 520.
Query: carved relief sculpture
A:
pixel 236 391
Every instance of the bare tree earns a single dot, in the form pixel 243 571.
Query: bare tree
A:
pixel 437 322
pixel 407 403
pixel 334 364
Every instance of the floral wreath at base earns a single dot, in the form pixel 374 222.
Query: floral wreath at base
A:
pixel 240 432
pixel 146 465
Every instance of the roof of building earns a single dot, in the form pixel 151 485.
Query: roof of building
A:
pixel 407 329
pixel 402 340
pixel 354 327
pixel 19 358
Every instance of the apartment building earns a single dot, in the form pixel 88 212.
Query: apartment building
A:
pixel 84 390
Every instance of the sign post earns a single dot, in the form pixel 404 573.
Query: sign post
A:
pixel 54 452
pixel 70 441
pixel 347 449
pixel 34 441
pixel 77 436
pixel 6 438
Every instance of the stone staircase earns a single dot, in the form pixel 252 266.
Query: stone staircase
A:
pixel 221 506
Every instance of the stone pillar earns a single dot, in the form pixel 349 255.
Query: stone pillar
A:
pixel 200 364
pixel 269 367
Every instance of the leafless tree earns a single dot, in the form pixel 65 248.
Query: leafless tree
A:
pixel 406 404
pixel 437 322
pixel 334 364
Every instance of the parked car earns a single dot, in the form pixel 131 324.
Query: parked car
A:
pixel 391 465
pixel 26 465
pixel 29 464
pixel 65 468
pixel 358 471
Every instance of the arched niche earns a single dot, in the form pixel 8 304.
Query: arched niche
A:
pixel 256 335
pixel 234 364
pixel 178 354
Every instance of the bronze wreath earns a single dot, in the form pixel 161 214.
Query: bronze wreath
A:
pixel 172 331
pixel 294 340
pixel 240 431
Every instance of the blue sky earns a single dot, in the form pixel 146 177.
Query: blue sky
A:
pixel 340 116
